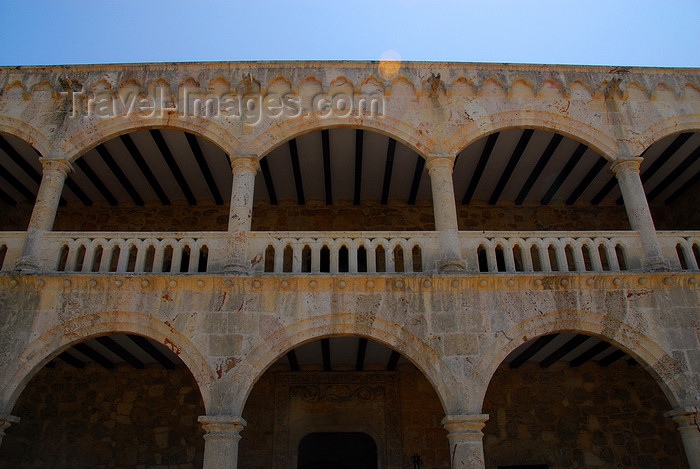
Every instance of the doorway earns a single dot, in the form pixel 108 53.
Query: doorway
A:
pixel 337 450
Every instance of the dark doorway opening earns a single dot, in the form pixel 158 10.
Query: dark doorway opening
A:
pixel 337 451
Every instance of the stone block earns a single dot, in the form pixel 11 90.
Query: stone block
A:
pixel 225 345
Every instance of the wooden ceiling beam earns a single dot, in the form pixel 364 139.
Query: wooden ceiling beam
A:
pixel 172 165
pixel 119 174
pixel 539 168
pixel 480 166
pixel 510 166
pixel 140 161
pixel 204 168
pixel 388 170
pixel 325 142
pixel 296 170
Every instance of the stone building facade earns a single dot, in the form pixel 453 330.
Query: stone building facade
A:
pixel 331 264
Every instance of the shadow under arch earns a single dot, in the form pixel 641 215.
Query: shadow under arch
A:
pixel 76 145
pixel 26 132
pixel 44 348
pixel 414 349
pixel 307 123
pixel 599 141
pixel 658 363
pixel 665 128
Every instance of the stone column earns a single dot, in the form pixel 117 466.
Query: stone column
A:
pixel 627 173
pixel 5 423
pixel 221 440
pixel 445 212
pixel 688 421
pixel 55 171
pixel 244 169
pixel 466 440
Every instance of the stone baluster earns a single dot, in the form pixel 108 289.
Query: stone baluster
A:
pixel 244 169
pixel 688 421
pixel 466 440
pixel 5 423
pixel 223 433
pixel 627 173
pixel 55 171
pixel 445 212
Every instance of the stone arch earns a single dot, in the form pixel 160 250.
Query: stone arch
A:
pixel 44 348
pixel 598 140
pixel 661 130
pixel 655 360
pixel 417 351
pixel 76 145
pixel 385 125
pixel 26 132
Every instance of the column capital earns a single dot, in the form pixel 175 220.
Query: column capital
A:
pixel 56 164
pixel 439 161
pixel 686 417
pixel 222 426
pixel 465 426
pixel 244 163
pixel 5 422
pixel 628 163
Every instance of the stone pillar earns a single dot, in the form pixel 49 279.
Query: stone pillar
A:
pixel 221 440
pixel 244 169
pixel 55 171
pixel 688 421
pixel 5 423
pixel 627 173
pixel 466 440
pixel 445 212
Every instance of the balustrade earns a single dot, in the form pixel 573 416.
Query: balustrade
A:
pixel 351 252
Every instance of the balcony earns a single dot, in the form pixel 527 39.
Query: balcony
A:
pixel 349 253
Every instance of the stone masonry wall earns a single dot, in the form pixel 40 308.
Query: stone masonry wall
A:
pixel 96 418
pixel 586 417
pixel 421 413
pixel 316 216
pixel 682 214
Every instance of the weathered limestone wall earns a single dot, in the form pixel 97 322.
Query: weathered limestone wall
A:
pixel 585 417
pixel 421 431
pixel 317 216
pixel 97 418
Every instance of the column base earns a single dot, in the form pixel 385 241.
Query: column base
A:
pixel 451 266
pixel 27 264
pixel 656 265
pixel 234 267
pixel 5 423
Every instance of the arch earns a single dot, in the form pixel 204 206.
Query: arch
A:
pixel 277 344
pixel 61 337
pixel 26 132
pixel 75 146
pixel 645 350
pixel 307 123
pixel 665 128
pixel 599 141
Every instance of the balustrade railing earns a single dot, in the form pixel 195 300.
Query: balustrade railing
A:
pixel 343 252
pixel 10 248
pixel 350 252
pixel 135 252
pixel 551 251
pixel 681 249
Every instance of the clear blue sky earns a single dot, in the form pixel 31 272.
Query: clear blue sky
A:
pixel 595 32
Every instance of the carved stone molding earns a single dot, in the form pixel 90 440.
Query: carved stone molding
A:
pixel 309 402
